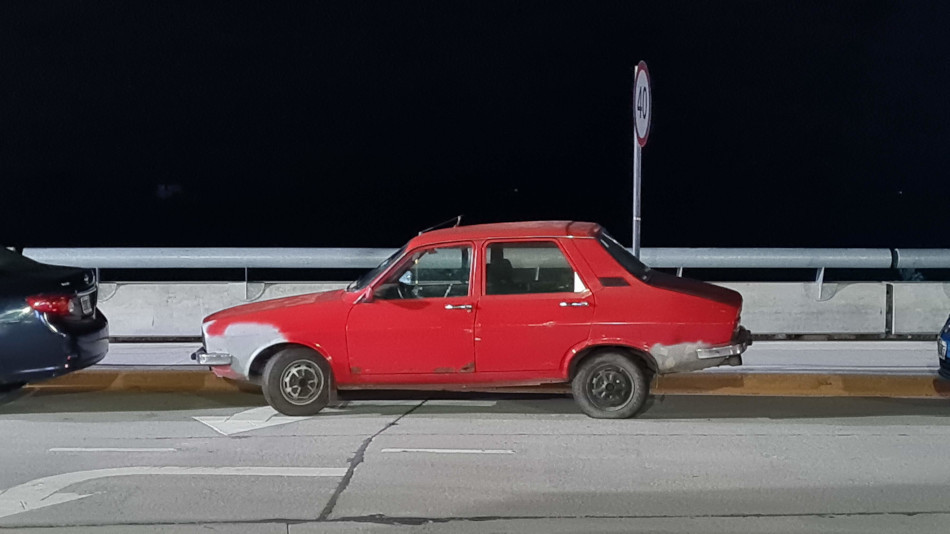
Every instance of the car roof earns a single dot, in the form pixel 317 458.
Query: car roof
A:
pixel 508 230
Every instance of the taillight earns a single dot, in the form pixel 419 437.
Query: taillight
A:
pixel 52 304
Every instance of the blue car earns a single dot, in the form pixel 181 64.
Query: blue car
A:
pixel 49 324
pixel 942 341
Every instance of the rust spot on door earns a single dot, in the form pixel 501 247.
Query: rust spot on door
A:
pixel 443 370
pixel 356 370
pixel 469 368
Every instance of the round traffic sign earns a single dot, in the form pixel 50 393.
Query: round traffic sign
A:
pixel 642 103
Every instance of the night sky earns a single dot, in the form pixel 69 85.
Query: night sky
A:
pixel 351 123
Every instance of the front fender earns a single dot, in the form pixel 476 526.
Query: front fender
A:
pixel 289 341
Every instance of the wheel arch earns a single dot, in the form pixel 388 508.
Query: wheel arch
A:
pixel 256 368
pixel 632 353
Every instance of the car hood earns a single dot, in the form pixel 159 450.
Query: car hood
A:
pixel 255 308
pixel 693 287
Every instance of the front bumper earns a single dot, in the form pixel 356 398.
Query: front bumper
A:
pixel 684 357
pixel 212 359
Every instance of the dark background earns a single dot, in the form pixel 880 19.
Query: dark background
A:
pixel 348 123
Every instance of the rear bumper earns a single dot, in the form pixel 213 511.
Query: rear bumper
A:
pixel 696 356
pixel 944 370
pixel 741 342
pixel 74 350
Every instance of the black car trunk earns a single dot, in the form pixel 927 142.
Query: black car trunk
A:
pixel 21 277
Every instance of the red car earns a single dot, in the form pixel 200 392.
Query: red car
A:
pixel 488 305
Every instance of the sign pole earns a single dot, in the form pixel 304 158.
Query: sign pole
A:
pixel 636 199
pixel 642 113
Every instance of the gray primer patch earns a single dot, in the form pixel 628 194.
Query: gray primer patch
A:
pixel 681 357
pixel 243 341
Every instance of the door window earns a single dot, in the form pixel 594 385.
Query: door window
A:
pixel 431 273
pixel 529 267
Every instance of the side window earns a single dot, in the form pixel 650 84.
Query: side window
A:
pixel 529 267
pixel 431 273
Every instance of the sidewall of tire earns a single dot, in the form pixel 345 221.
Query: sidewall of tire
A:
pixel 270 382
pixel 633 369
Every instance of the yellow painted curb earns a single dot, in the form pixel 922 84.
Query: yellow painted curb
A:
pixel 774 384
pixel 803 385
pixel 157 380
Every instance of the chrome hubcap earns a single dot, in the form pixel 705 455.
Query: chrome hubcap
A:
pixel 301 382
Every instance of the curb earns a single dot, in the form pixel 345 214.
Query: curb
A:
pixel 167 380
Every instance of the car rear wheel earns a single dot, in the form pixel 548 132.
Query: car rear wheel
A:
pixel 297 382
pixel 609 385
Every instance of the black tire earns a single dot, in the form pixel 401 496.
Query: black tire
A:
pixel 610 385
pixel 297 382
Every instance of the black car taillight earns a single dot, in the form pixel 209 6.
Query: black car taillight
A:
pixel 53 304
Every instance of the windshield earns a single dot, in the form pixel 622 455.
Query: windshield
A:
pixel 361 282
pixel 623 256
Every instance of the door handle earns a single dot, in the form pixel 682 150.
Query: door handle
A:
pixel 459 307
pixel 574 304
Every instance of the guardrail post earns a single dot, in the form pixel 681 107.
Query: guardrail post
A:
pixel 889 310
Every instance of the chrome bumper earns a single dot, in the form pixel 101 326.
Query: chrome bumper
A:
pixel 211 358
pixel 742 340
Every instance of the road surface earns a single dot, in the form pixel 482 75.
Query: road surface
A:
pixel 145 462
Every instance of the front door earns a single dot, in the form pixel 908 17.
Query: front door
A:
pixel 420 318
pixel 533 310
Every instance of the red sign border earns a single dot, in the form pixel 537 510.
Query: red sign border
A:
pixel 642 141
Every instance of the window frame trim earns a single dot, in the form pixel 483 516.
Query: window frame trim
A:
pixel 406 258
pixel 571 261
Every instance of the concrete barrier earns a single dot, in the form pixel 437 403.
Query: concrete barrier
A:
pixel 920 307
pixel 807 308
pixel 149 309
pixel 176 309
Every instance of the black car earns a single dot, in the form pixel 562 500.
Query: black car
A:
pixel 49 324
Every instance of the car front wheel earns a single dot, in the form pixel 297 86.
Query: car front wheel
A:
pixel 297 382
pixel 609 385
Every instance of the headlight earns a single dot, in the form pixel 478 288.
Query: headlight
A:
pixel 941 348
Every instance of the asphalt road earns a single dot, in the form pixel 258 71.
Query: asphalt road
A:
pixel 136 462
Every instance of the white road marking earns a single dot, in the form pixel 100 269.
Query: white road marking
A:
pixel 455 451
pixel 42 492
pixel 111 449
pixel 248 420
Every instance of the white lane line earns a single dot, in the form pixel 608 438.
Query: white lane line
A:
pixel 455 451
pixel 43 492
pixel 111 449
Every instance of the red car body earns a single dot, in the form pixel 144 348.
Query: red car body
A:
pixel 475 331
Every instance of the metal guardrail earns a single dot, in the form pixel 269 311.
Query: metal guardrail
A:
pixel 365 258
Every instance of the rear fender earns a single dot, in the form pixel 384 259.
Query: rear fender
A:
pixel 582 350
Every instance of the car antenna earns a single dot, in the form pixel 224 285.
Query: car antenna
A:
pixel 444 224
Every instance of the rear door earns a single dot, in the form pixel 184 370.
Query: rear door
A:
pixel 534 306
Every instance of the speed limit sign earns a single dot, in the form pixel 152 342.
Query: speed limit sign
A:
pixel 642 103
